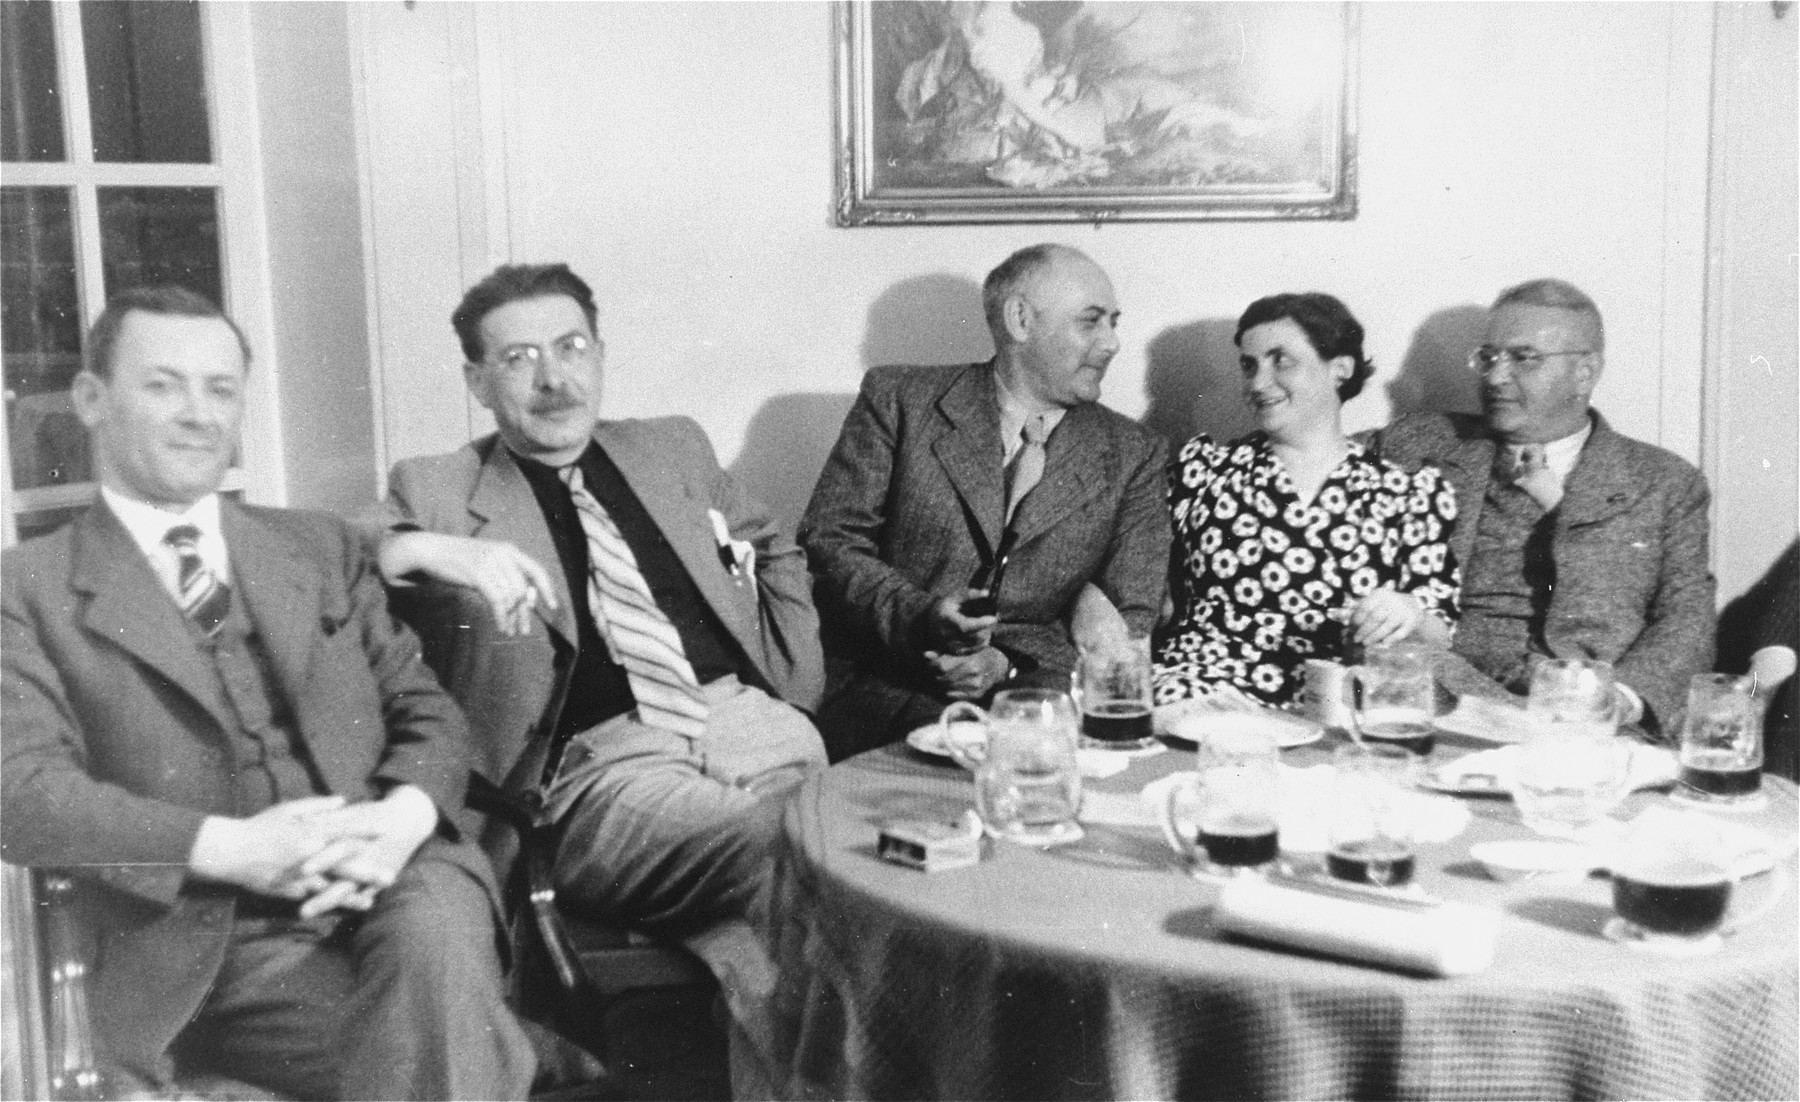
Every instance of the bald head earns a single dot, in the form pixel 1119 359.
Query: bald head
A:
pixel 1017 274
pixel 1054 318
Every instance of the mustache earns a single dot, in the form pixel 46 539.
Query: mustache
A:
pixel 559 404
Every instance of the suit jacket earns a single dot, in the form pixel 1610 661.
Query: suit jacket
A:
pixel 1633 582
pixel 114 740
pixel 912 500
pixel 513 687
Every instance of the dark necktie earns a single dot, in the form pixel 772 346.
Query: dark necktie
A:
pixel 203 595
pixel 641 636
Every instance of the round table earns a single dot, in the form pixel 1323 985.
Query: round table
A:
pixel 1091 970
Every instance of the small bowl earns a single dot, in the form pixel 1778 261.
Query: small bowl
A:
pixel 1510 861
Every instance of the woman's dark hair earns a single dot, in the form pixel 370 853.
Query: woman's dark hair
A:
pixel 1328 324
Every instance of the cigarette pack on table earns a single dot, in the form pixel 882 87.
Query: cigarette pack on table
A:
pixel 929 845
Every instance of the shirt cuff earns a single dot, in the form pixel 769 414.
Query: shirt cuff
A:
pixel 1634 704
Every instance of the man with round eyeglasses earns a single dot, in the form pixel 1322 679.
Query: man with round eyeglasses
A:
pixel 632 636
pixel 1576 541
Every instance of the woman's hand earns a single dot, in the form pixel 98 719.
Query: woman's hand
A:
pixel 1385 616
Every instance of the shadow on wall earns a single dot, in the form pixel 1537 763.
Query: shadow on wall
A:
pixel 785 448
pixel 1435 374
pixel 1191 378
pixel 930 319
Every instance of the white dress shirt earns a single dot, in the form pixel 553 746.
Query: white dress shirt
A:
pixel 1561 455
pixel 148 524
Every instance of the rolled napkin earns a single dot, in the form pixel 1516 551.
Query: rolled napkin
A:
pixel 1364 924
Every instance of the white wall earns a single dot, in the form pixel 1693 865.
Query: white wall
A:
pixel 1753 379
pixel 679 156
pixel 312 212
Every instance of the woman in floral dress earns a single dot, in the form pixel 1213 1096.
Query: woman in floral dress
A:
pixel 1293 540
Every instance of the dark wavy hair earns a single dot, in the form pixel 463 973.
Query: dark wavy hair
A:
pixel 1329 326
pixel 167 300
pixel 511 283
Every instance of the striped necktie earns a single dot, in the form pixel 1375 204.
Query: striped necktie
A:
pixel 640 635
pixel 203 596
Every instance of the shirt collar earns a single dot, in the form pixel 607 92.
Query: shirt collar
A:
pixel 148 524
pixel 1012 418
pixel 1561 455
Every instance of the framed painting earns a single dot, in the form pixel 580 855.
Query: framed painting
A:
pixel 1052 110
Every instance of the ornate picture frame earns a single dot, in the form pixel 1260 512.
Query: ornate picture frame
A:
pixel 1057 111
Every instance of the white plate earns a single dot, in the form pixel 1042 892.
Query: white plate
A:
pixel 929 739
pixel 1194 720
pixel 1491 772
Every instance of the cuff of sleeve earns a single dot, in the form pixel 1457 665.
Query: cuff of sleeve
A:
pixel 1634 704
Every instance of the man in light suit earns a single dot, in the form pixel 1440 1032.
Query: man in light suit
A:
pixel 934 477
pixel 659 777
pixel 210 718
pixel 1575 541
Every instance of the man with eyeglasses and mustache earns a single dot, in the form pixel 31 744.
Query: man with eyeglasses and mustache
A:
pixel 632 637
pixel 970 512
pixel 1575 541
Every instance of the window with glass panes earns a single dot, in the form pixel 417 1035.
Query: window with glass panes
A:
pixel 110 180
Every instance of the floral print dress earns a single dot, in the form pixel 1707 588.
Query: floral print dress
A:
pixel 1265 579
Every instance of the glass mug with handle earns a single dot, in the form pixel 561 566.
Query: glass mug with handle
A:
pixel 1395 697
pixel 1676 879
pixel 1370 817
pixel 1721 754
pixel 1027 782
pixel 1225 816
pixel 1573 768
pixel 1111 685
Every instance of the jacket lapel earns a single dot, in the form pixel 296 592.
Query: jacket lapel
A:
pixel 129 608
pixel 1603 482
pixel 1076 466
pixel 280 592
pixel 682 519
pixel 505 509
pixel 970 451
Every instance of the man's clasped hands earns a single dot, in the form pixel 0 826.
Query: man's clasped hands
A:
pixel 319 851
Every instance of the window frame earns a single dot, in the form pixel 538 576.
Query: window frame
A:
pixel 236 179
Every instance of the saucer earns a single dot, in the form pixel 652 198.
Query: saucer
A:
pixel 1196 720
pixel 1617 929
pixel 1685 798
pixel 929 740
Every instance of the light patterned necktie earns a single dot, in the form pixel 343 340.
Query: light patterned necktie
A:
pixel 640 635
pixel 203 595
pixel 1533 475
pixel 1027 468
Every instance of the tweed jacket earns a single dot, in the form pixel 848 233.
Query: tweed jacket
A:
pixel 513 687
pixel 114 726
pixel 1634 584
pixel 911 502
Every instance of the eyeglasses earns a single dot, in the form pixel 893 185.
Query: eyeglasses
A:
pixel 1522 360
pixel 529 357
